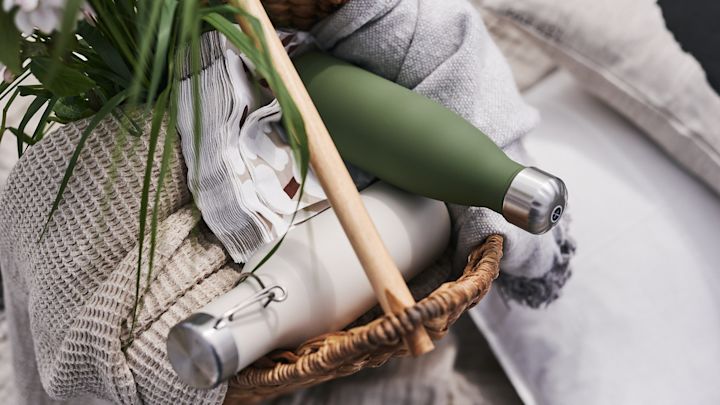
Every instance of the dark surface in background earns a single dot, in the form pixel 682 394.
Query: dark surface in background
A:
pixel 476 362
pixel 696 26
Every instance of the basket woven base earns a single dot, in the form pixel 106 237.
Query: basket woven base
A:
pixel 346 352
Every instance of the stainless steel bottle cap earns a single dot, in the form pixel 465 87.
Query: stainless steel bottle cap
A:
pixel 535 200
pixel 201 354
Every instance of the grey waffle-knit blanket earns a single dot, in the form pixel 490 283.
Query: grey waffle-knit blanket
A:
pixel 69 296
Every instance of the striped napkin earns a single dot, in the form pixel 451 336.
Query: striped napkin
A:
pixel 241 170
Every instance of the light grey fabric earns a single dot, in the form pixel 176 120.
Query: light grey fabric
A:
pixel 622 52
pixel 69 295
pixel 640 321
pixel 529 63
pixel 443 51
pixel 8 157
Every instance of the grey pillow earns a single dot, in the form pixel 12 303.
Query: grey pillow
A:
pixel 622 52
pixel 529 64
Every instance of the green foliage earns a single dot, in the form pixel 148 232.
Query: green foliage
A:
pixel 125 59
pixel 74 108
pixel 10 49
pixel 60 80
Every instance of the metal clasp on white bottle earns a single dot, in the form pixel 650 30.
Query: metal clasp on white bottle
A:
pixel 273 293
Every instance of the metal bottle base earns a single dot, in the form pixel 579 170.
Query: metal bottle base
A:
pixel 202 355
pixel 535 200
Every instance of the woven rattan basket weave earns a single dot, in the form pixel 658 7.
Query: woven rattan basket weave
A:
pixel 345 352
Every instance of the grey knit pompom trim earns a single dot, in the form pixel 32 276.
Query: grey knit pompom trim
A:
pixel 535 292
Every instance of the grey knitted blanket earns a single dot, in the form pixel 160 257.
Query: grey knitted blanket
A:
pixel 69 296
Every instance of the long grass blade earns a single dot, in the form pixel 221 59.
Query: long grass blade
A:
pixel 42 124
pixel 106 52
pixel 12 86
pixel 238 38
pixel 157 120
pixel 197 109
pixel 114 30
pixel 146 40
pixel 10 49
pixel 19 132
pixel 3 122
pixel 66 33
pixel 164 38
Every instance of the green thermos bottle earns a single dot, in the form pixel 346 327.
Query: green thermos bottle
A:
pixel 419 145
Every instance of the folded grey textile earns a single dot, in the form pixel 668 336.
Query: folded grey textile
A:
pixel 70 295
pixel 443 51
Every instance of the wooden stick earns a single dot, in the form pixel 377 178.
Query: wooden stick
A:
pixel 389 286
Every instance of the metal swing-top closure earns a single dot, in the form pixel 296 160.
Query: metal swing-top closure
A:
pixel 274 293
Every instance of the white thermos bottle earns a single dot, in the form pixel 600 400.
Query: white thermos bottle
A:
pixel 312 285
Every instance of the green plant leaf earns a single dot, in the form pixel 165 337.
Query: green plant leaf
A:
pixel 146 40
pixel 114 30
pixel 74 108
pixel 237 38
pixel 111 104
pixel 9 87
pixel 36 90
pixel 105 51
pixel 157 120
pixel 5 110
pixel 63 38
pixel 31 111
pixel 61 80
pixel 39 133
pixel 11 39
pixel 34 49
pixel 164 38
pixel 195 83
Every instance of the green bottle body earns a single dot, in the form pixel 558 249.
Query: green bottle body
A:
pixel 405 138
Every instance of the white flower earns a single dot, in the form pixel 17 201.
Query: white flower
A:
pixel 6 74
pixel 45 15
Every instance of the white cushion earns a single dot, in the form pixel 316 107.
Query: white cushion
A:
pixel 639 320
pixel 622 52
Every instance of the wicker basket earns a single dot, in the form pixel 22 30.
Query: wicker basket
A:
pixel 346 352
